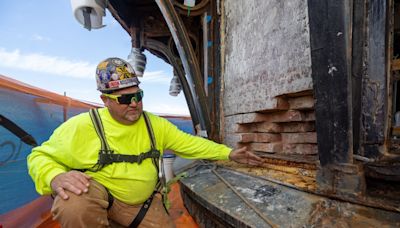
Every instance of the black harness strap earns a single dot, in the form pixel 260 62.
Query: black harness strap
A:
pixel 106 159
pixel 152 143
pixel 98 126
pixel 110 199
pixel 107 156
pixel 143 210
pixel 150 131
pixel 146 205
pixel 161 178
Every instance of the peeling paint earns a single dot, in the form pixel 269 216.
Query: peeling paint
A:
pixel 331 69
pixel 375 106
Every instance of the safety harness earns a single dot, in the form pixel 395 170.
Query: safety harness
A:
pixel 107 156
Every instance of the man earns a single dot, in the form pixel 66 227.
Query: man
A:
pixel 103 168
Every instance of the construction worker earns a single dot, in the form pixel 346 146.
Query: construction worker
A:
pixel 103 166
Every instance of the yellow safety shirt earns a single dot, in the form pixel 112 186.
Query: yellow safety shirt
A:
pixel 75 145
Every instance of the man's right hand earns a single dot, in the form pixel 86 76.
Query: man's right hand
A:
pixel 73 181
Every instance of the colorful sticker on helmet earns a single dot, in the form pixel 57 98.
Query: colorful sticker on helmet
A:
pixel 113 84
pixel 117 61
pixel 129 81
pixel 115 73
pixel 102 65
pixel 114 76
pixel 104 76
pixel 110 68
pixel 123 73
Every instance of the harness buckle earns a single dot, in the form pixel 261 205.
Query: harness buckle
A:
pixel 140 158
pixel 105 157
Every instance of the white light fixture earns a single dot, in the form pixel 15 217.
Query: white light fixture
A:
pixel 189 3
pixel 89 13
pixel 138 61
pixel 175 87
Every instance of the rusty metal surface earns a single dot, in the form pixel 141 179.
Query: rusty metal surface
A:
pixel 280 205
pixel 284 206
pixel 374 94
pixel 358 42
pixel 302 178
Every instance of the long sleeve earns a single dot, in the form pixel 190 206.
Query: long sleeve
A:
pixel 73 145
pixel 43 166
pixel 189 146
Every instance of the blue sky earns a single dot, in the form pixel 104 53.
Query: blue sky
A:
pixel 42 44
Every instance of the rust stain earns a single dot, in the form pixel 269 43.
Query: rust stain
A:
pixel 290 163
pixel 328 213
pixel 295 177
pixel 375 87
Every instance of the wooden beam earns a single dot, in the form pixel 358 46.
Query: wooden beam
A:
pixel 330 35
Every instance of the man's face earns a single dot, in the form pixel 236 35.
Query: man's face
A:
pixel 124 113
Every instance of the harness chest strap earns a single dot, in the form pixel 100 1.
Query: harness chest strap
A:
pixel 107 156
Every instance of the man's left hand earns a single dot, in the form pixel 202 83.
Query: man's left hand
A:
pixel 242 155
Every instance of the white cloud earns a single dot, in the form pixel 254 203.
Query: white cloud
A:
pixel 40 38
pixel 60 66
pixel 156 77
pixel 46 64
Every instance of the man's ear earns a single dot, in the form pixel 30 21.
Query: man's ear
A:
pixel 104 99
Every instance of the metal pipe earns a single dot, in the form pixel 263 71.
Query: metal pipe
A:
pixel 189 61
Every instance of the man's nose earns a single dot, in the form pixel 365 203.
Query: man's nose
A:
pixel 133 103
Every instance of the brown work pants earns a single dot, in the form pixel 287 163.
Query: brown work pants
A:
pixel 90 210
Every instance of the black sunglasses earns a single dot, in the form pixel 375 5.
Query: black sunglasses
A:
pixel 126 98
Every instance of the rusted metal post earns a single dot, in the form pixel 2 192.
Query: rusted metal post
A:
pixel 374 112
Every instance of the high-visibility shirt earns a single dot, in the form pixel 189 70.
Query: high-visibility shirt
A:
pixel 75 145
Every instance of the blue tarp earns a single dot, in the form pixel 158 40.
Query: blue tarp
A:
pixel 38 117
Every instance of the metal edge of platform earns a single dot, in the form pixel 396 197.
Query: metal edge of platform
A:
pixel 206 214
